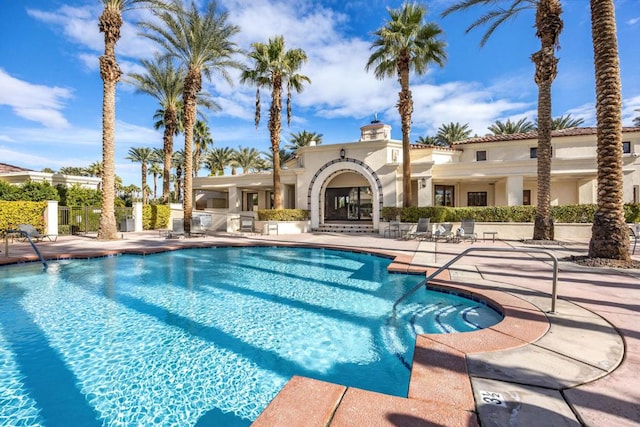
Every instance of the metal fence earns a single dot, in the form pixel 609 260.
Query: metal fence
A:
pixel 86 219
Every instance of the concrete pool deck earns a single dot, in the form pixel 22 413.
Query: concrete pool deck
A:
pixel 577 366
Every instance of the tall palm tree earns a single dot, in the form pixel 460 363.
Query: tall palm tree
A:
pixel 548 24
pixel 201 141
pixel 609 234
pixel 218 159
pixel 164 81
pixel 144 156
pixel 273 68
pixel 404 44
pixel 448 133
pixel 303 139
pixel 284 156
pixel 178 161
pixel 202 43
pixel 507 128
pixel 156 171
pixel 247 158
pixel 109 23
pixel 563 122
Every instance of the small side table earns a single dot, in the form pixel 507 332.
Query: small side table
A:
pixel 493 235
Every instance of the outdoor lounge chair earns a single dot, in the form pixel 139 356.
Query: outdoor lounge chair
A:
pixel 246 224
pixel 177 230
pixel 198 227
pixel 467 230
pixel 34 234
pixel 634 235
pixel 393 229
pixel 423 230
pixel 443 231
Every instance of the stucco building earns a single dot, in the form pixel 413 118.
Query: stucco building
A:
pixel 352 181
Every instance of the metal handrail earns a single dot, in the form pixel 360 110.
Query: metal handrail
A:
pixel 554 290
pixel 26 235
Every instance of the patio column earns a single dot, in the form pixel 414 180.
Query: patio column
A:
pixel 234 199
pixel 514 190
pixel 425 191
pixel 51 217
pixel 137 216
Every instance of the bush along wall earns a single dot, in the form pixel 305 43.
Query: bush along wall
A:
pixel 283 215
pixel 155 217
pixel 581 214
pixel 14 213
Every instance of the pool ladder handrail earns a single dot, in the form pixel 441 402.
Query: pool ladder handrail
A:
pixel 26 235
pixel 425 282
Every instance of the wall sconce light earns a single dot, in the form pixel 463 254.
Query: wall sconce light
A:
pixel 423 182
pixel 342 153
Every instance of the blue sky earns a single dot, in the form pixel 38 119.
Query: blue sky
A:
pixel 51 91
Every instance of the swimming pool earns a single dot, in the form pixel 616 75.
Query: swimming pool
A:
pixel 205 336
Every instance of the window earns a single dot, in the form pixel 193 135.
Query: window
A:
pixel 626 147
pixel 533 152
pixel 477 198
pixel 481 156
pixel 526 197
pixel 444 195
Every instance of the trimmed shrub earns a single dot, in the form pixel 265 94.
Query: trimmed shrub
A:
pixel 155 217
pixel 283 215
pixel 14 213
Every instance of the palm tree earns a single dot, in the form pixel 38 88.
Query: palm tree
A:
pixel 177 161
pixel 507 128
pixel 564 122
pixel 109 23
pixel 636 121
pixel 284 156
pixel 73 170
pixel 144 156
pixel 609 234
pixel 202 43
pixel 163 81
pixel 156 171
pixel 449 133
pixel 548 26
pixel 218 159
pixel 201 141
pixel 427 140
pixel 303 139
pixel 247 158
pixel 404 44
pixel 273 68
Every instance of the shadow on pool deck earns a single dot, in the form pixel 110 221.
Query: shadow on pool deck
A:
pixel 581 369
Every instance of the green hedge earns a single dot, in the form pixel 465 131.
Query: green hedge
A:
pixel 14 213
pixel 562 214
pixel 283 215
pixel 155 217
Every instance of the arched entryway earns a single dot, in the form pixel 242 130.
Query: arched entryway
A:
pixel 345 190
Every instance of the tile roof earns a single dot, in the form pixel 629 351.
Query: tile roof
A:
pixel 7 168
pixel 534 135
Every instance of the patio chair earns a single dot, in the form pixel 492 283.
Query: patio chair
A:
pixel 634 235
pixel 443 231
pixel 466 230
pixel 177 230
pixel 423 230
pixel 247 224
pixel 198 227
pixel 34 234
pixel 392 229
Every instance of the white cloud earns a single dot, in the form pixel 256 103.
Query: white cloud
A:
pixel 633 21
pixel 34 102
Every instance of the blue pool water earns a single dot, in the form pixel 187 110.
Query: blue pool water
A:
pixel 205 336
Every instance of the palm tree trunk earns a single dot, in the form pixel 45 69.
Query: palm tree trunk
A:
pixel 549 26
pixel 405 108
pixel 144 182
pixel 610 236
pixel 192 86
pixel 274 131
pixel 170 119
pixel 110 22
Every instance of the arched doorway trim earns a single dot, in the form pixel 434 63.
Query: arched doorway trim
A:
pixel 319 182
